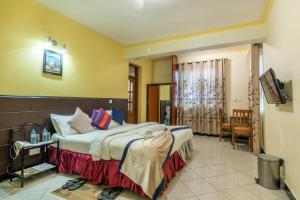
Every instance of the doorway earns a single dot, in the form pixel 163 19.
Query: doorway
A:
pixel 159 99
pixel 132 94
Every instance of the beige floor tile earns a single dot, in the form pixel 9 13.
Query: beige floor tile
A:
pixel 215 172
pixel 239 194
pixel 187 174
pixel 213 196
pixel 229 181
pixel 265 193
pixel 178 191
pixel 195 163
pixel 221 182
pixel 199 186
pixel 284 198
pixel 190 198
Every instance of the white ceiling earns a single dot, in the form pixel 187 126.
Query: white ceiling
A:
pixel 132 21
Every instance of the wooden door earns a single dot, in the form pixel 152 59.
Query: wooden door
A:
pixel 132 116
pixel 153 103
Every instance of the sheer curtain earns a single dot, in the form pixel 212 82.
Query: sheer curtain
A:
pixel 254 97
pixel 201 95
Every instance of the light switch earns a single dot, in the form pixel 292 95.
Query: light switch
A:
pixel 110 101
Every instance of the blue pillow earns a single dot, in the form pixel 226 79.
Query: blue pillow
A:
pixel 117 115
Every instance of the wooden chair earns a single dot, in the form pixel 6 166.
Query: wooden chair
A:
pixel 224 126
pixel 241 122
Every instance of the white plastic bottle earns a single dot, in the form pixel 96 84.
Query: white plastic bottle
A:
pixel 33 136
pixel 48 136
pixel 45 135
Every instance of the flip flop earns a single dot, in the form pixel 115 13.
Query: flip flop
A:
pixel 109 193
pixel 69 183
pixel 77 184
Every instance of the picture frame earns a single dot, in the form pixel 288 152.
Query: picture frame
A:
pixel 52 62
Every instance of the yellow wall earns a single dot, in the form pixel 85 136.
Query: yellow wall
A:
pixel 89 64
pixel 164 92
pixel 145 77
pixel 162 70
pixel 281 52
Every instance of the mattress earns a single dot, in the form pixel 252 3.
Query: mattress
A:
pixel 81 143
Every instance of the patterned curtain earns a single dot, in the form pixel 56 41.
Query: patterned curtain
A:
pixel 253 96
pixel 201 95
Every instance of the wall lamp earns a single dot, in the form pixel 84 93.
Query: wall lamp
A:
pixel 52 42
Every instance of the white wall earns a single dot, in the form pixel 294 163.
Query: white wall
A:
pixel 282 52
pixel 237 75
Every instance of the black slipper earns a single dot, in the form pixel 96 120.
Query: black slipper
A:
pixel 69 183
pixel 109 193
pixel 77 184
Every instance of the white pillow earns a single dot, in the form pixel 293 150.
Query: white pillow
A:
pixel 113 123
pixel 61 126
pixel 108 111
pixel 81 122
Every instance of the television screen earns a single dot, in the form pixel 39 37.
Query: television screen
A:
pixel 271 87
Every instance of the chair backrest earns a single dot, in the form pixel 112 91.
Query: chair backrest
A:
pixel 223 119
pixel 242 118
pixel 221 115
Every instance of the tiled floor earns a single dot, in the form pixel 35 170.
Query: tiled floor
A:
pixel 216 172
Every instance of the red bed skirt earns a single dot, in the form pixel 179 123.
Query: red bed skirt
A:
pixel 106 171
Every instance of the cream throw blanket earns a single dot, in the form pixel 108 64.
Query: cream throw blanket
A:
pixel 148 147
pixel 143 161
pixel 100 147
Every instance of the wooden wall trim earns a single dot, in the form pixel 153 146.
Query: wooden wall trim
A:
pixel 17 110
pixel 174 94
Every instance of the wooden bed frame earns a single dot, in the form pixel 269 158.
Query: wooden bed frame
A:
pixel 17 110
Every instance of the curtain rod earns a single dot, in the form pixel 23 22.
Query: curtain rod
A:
pixel 205 61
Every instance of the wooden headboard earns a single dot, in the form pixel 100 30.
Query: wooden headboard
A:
pixel 17 110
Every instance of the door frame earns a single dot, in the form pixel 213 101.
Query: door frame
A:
pixel 174 90
pixel 171 99
pixel 137 69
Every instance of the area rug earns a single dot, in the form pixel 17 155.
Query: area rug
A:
pixel 89 192
pixel 86 192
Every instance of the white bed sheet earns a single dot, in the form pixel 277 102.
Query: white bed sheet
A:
pixel 81 143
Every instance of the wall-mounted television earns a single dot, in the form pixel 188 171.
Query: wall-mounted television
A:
pixel 272 87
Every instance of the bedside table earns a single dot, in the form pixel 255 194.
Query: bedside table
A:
pixel 36 169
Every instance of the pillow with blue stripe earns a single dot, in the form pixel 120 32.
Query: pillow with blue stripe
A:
pixel 117 115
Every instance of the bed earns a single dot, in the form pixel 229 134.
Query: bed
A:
pixel 108 156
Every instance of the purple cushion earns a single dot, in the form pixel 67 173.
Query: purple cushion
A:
pixel 94 114
pixel 99 115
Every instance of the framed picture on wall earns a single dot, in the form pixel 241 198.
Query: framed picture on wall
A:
pixel 52 62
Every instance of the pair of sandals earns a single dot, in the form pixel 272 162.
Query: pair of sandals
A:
pixel 74 184
pixel 109 193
